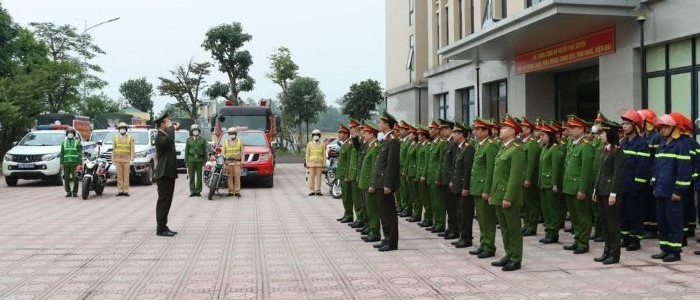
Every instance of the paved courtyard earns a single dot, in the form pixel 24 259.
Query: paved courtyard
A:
pixel 278 243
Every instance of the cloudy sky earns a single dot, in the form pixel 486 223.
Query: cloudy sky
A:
pixel 338 42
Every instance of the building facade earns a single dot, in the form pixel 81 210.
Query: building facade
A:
pixel 545 58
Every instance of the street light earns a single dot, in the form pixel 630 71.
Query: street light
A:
pixel 84 36
pixel 642 12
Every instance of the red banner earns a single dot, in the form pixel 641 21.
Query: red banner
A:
pixel 590 46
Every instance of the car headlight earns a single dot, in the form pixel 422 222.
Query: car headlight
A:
pixel 264 157
pixel 141 154
pixel 52 156
pixel 8 157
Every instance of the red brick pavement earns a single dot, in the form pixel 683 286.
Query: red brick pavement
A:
pixel 279 243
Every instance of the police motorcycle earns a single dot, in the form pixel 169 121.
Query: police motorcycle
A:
pixel 93 173
pixel 330 177
pixel 215 174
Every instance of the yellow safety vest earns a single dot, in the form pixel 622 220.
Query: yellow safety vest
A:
pixel 233 150
pixel 316 151
pixel 123 147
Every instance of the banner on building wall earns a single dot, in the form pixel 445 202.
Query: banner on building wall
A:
pixel 590 46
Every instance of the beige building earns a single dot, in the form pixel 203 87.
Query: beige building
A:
pixel 458 59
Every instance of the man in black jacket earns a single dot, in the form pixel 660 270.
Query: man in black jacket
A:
pixel 166 172
pixel 385 180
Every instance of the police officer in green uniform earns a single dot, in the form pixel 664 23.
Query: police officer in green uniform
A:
pixel 361 222
pixel 507 194
pixel 423 162
pixel 386 181
pixel 403 192
pixel 341 169
pixel 459 184
pixel 577 184
pixel 425 211
pixel 434 179
pixel 365 181
pixel 550 173
pixel 351 174
pixel 71 157
pixel 480 187
pixel 411 184
pixel 195 156
pixel 531 192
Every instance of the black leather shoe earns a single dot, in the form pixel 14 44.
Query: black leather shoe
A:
pixel 380 244
pixel 451 236
pixel 353 224
pixel 570 247
pixel 570 229
pixel 198 195
pixel 485 254
pixel 358 225
pixel 310 194
pixel 611 260
pixel 437 230
pixel 501 263
pixel 511 266
pixel 550 240
pixel 231 194
pixel 75 195
pixel 696 252
pixel 601 258
pixel 661 255
pixel 371 239
pixel 634 246
pixel 68 195
pixel 599 239
pixel 168 230
pixel 476 251
pixel 340 219
pixel 425 224
pixel 413 219
pixel 625 242
pixel 191 195
pixel 165 233
pixel 127 195
pixel 319 194
pixel 671 257
pixel 457 241
pixel 237 195
pixel 387 248
pixel 580 251
pixel 361 229
pixel 463 244
pixel 529 232
pixel 442 234
pixel 365 231
pixel 429 228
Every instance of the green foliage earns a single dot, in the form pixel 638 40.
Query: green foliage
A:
pixel 282 68
pixel 216 90
pixel 303 101
pixel 329 120
pixel 224 42
pixel 186 87
pixel 362 99
pixel 138 93
pixel 99 104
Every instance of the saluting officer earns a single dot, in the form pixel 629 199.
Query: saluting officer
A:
pixel 531 195
pixel 341 173
pixel 507 194
pixel 365 181
pixel 166 172
pixel 386 181
pixel 459 184
pixel 480 187
pixel 577 184
pixel 122 156
pixel 195 156
pixel 351 174
pixel 71 154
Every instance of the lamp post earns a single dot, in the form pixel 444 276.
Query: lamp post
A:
pixel 642 11
pixel 84 37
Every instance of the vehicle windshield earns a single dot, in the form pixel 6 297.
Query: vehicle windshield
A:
pixel 250 138
pixel 250 122
pixel 181 136
pixel 140 137
pixel 52 138
pixel 98 136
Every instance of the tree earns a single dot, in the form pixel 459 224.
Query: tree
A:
pixel 138 93
pixel 69 54
pixel 216 90
pixel 225 42
pixel 329 120
pixel 186 87
pixel 362 99
pixel 303 102
pixel 282 68
pixel 99 104
pixel 175 111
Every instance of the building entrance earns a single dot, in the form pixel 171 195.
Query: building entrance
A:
pixel 578 92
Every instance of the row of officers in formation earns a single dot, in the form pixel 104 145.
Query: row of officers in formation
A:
pixel 618 183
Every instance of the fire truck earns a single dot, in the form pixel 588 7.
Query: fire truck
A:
pixel 250 117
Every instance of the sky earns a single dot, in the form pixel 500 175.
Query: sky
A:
pixel 338 42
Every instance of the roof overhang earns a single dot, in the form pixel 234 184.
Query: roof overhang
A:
pixel 547 23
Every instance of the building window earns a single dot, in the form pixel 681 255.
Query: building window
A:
pixel 411 57
pixel 471 17
pixel 447 26
pixel 442 106
pixel 498 99
pixel 673 78
pixel 411 12
pixel 460 22
pixel 529 3
pixel 467 101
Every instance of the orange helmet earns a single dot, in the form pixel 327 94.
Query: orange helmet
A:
pixel 666 120
pixel 634 117
pixel 647 115
pixel 684 124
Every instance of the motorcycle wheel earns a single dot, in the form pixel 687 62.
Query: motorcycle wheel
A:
pixel 330 178
pixel 213 186
pixel 85 188
pixel 336 191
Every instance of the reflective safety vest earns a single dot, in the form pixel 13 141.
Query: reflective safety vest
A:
pixel 70 151
pixel 233 148
pixel 123 147
pixel 316 152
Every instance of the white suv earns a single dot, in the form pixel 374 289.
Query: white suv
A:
pixel 36 156
pixel 181 137
pixel 143 166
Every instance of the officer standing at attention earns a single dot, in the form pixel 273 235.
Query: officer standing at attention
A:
pixel 234 152
pixel 386 181
pixel 637 173
pixel 549 182
pixel 448 164
pixel 480 187
pixel 434 177
pixel 315 162
pixel 195 156
pixel 365 180
pixel 459 184
pixel 507 194
pixel 424 139
pixel 341 173
pixel 122 156
pixel 166 172
pixel 531 193
pixel 577 184
pixel 71 154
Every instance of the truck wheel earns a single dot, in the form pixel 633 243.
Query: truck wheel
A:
pixel 11 181
pixel 86 187
pixel 269 182
pixel 148 178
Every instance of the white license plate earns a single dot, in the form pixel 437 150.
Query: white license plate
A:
pixel 25 166
pixel 244 172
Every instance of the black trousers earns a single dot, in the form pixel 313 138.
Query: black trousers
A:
pixel 452 207
pixel 390 221
pixel 610 220
pixel 465 217
pixel 166 188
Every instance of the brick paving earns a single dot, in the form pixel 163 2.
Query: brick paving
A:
pixel 280 244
